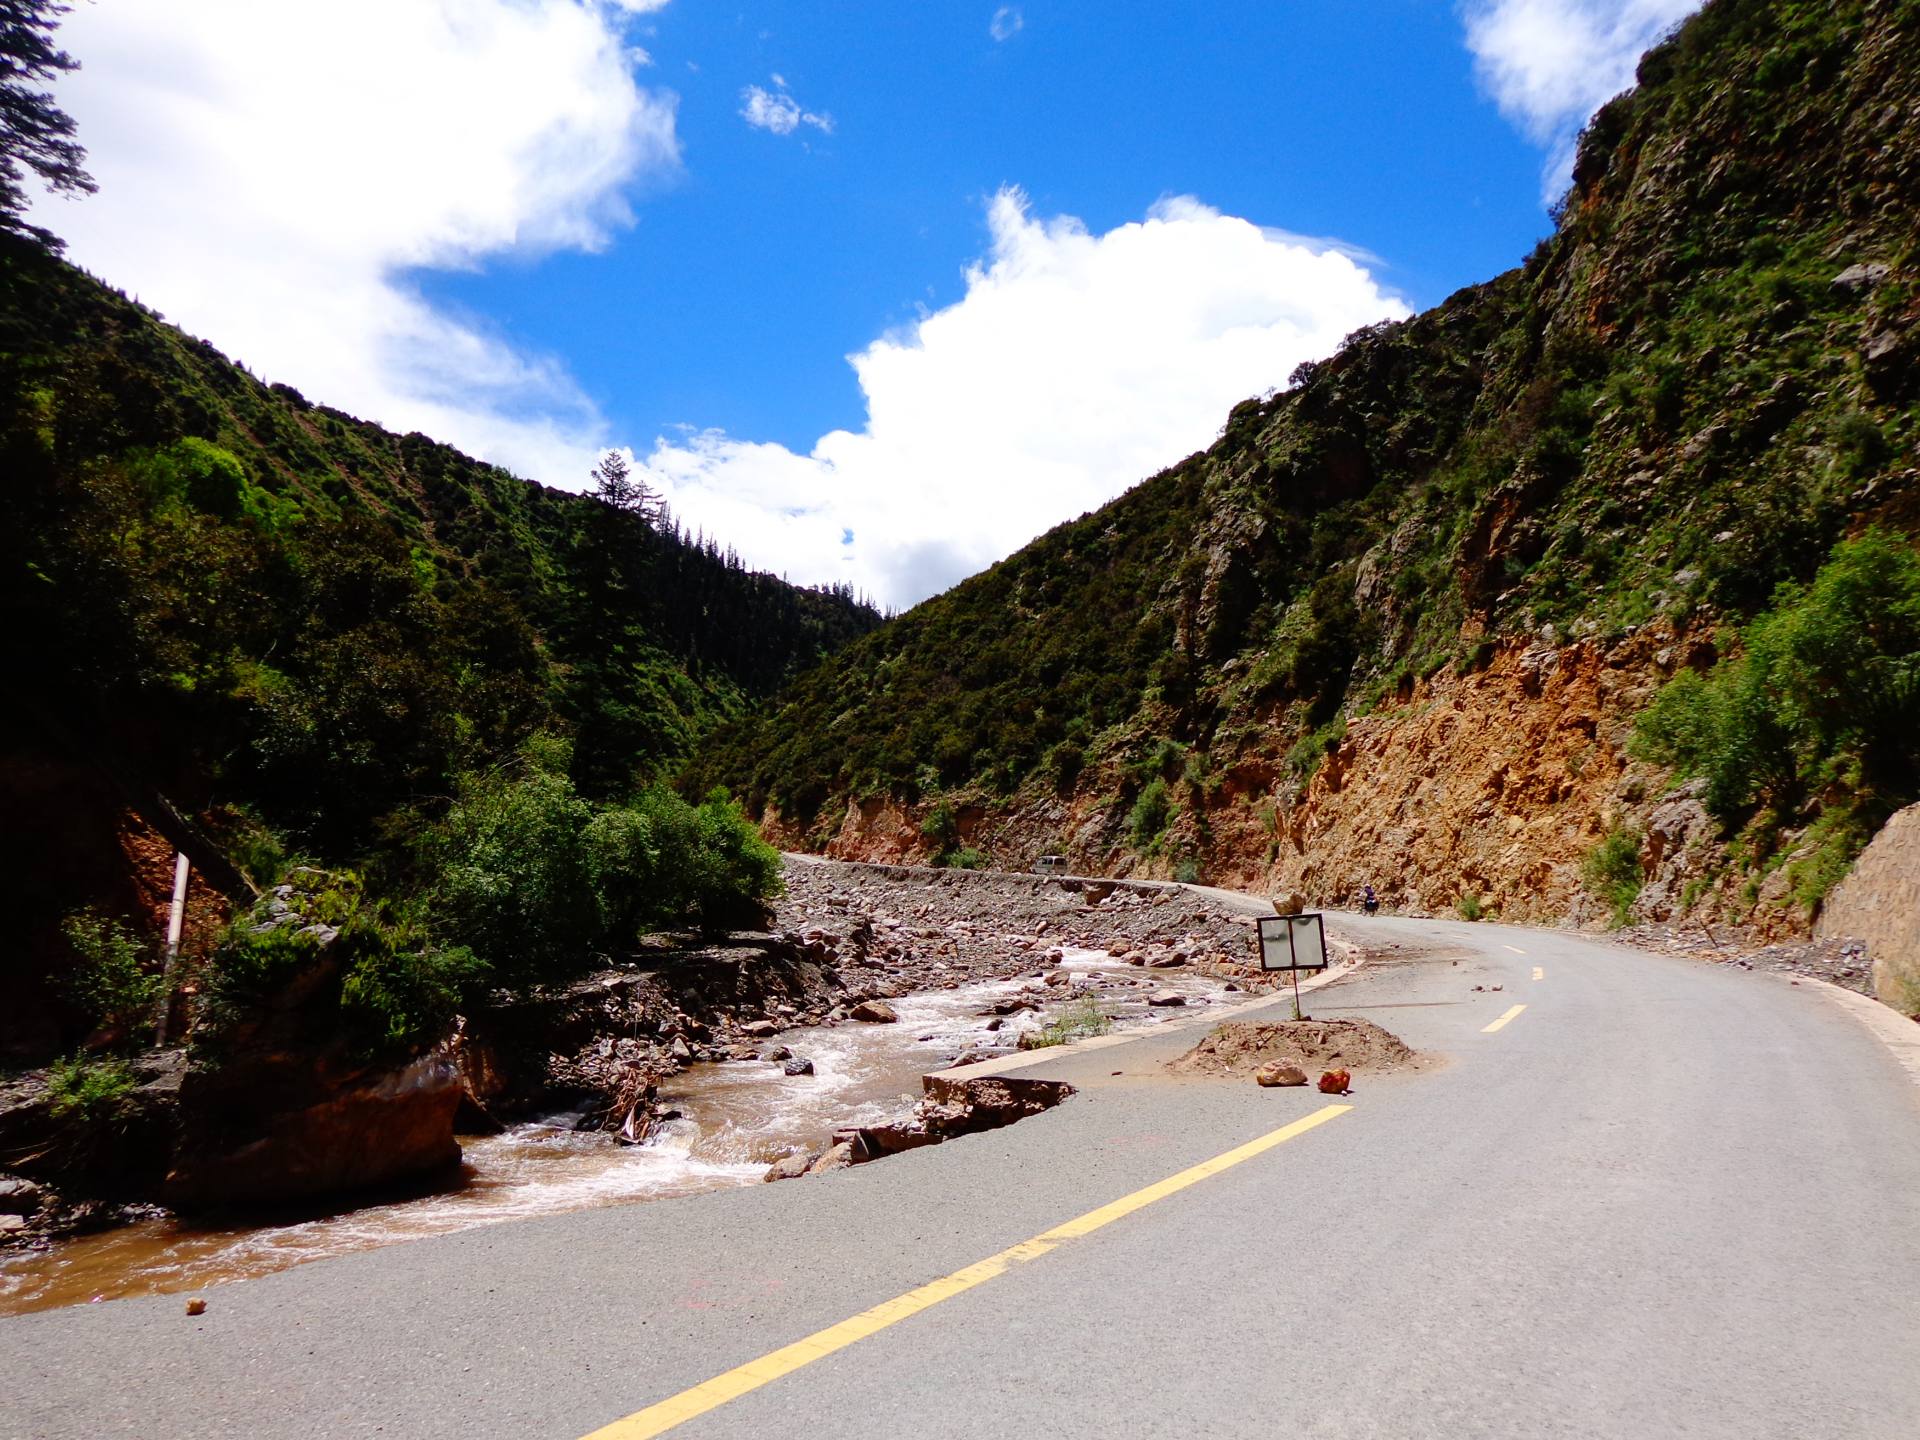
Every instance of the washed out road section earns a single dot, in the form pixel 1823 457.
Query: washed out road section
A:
pixel 1667 1198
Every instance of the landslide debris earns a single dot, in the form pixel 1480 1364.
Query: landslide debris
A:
pixel 1247 1047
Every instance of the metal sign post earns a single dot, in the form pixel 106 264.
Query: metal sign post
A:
pixel 1293 943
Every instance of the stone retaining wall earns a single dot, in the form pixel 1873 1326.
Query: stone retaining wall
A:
pixel 1879 902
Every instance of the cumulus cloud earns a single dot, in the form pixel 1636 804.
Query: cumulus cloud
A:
pixel 1074 365
pixel 271 174
pixel 777 112
pixel 1007 22
pixel 1549 64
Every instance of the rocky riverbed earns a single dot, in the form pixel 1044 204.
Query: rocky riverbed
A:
pixel 684 1068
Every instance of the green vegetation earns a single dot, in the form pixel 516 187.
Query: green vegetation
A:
pixel 318 638
pixel 88 1093
pixel 1670 411
pixel 35 133
pixel 107 975
pixel 1469 906
pixel 1152 808
pixel 1074 1022
pixel 1816 716
pixel 523 884
pixel 1307 752
pixel 1611 871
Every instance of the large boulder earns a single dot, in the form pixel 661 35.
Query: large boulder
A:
pixel 354 1132
pixel 1879 902
pixel 282 1102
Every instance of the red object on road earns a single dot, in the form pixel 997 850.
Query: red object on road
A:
pixel 1334 1082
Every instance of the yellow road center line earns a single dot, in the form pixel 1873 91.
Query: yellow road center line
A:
pixel 1538 973
pixel 1514 948
pixel 659 1418
pixel 1503 1020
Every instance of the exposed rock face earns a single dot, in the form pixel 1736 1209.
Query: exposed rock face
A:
pixel 1879 902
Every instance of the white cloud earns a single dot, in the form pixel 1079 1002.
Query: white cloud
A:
pixel 1074 365
pixel 1006 23
pixel 269 174
pixel 778 112
pixel 1549 64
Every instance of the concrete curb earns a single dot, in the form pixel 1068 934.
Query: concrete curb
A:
pixel 1892 1029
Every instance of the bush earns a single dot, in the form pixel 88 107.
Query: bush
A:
pixel 88 1092
pixel 1611 871
pixel 715 870
pixel 1469 906
pixel 1825 697
pixel 1305 756
pixel 399 992
pixel 399 989
pixel 515 882
pixel 107 977
pixel 1151 810
pixel 941 827
pixel 1065 761
pixel 1074 1022
pixel 967 858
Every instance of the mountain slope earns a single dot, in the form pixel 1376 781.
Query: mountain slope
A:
pixel 241 619
pixel 1593 467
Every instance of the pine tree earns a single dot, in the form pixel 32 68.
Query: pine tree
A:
pixel 35 133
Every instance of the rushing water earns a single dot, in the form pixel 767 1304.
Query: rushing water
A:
pixel 736 1119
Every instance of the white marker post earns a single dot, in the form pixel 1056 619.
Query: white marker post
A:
pixel 176 922
pixel 1294 943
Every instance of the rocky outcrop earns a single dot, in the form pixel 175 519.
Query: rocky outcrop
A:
pixel 1879 903
pixel 248 1141
pixel 283 1103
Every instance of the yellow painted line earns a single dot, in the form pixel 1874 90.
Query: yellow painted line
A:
pixel 659 1418
pixel 1538 973
pixel 1503 1020
pixel 1514 948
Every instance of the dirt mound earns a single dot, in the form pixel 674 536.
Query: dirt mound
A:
pixel 1241 1048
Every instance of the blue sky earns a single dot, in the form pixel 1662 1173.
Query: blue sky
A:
pixel 877 291
pixel 734 298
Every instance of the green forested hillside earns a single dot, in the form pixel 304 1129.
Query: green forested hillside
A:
pixel 1680 402
pixel 277 630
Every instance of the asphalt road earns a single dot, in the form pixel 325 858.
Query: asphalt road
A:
pixel 1663 1200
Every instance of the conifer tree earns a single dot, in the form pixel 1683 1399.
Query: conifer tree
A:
pixel 35 133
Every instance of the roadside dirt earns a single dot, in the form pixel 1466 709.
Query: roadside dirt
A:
pixel 1240 1048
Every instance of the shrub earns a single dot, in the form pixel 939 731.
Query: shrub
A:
pixel 941 827
pixel 1064 764
pixel 1469 906
pixel 1074 1022
pixel 1151 810
pixel 1187 872
pixel 967 858
pixel 1305 756
pixel 515 884
pixel 716 871
pixel 1825 696
pixel 88 1092
pixel 1611 871
pixel 399 989
pixel 107 977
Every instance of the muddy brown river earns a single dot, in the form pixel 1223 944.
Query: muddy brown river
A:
pixel 737 1118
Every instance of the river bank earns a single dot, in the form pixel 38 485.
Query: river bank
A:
pixel 697 1044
